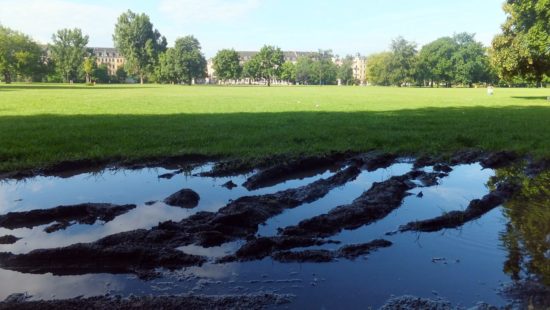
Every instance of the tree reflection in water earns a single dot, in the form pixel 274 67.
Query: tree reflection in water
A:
pixel 527 234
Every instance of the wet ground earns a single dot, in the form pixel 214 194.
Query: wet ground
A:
pixel 467 264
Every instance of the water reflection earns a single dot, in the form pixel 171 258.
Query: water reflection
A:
pixel 527 233
pixel 473 258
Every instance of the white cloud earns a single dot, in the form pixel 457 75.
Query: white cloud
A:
pixel 196 11
pixel 41 19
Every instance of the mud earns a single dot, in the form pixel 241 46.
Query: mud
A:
pixel 376 203
pixel 229 185
pixel 475 210
pixel 65 216
pixel 141 251
pixel 251 301
pixel 72 168
pixel 185 198
pixel 100 258
pixel 499 160
pixel 229 168
pixel 417 303
pixel 293 169
pixel 9 239
pixel 374 160
pixel 259 248
pixel 321 256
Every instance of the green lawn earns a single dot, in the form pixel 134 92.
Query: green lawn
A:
pixel 42 124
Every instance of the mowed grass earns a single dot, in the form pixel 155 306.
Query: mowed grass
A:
pixel 43 124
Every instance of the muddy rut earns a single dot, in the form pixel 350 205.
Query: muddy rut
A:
pixel 144 250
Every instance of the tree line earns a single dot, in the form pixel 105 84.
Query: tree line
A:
pixel 447 61
pixel 520 56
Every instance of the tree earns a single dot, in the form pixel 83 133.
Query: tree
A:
pixel 101 74
pixel 68 51
pixel 88 67
pixel 288 72
pixel 227 65
pixel 140 44
pixel 378 68
pixel 522 49
pixel 121 75
pixel 402 62
pixel 324 68
pixel 251 69
pixel 345 71
pixel 184 62
pixel 269 60
pixel 19 55
pixel 470 60
pixel 166 69
pixel 435 61
pixel 304 70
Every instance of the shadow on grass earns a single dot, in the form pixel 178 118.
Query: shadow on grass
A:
pixel 38 140
pixel 68 87
pixel 544 98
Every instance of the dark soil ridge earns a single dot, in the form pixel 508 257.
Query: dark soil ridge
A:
pixel 351 252
pixel 224 167
pixel 250 301
pixel 476 209
pixel 141 251
pixel 299 168
pixel 374 204
pixel 9 239
pixel 65 216
pixel 67 169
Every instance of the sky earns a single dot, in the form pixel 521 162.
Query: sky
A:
pixel 345 26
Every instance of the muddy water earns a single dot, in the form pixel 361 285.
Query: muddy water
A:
pixel 463 265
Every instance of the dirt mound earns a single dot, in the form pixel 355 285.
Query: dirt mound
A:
pixel 87 213
pixel 185 198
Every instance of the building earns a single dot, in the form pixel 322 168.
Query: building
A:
pixel 110 57
pixel 360 69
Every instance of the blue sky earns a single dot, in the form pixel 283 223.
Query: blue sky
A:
pixel 345 26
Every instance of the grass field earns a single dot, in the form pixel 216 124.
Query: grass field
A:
pixel 42 124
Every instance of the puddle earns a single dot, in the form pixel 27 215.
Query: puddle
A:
pixel 464 265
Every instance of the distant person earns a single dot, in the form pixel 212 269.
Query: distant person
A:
pixel 490 90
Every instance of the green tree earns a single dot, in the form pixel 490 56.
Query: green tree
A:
pixel 19 55
pixel 522 49
pixel 88 67
pixel 101 74
pixel 227 65
pixel 140 44
pixel 166 69
pixel 324 68
pixel 402 62
pixel 288 72
pixel 378 68
pixel 304 70
pixel 251 69
pixel 69 51
pixel 269 60
pixel 470 60
pixel 184 62
pixel 435 61
pixel 345 71
pixel 121 75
